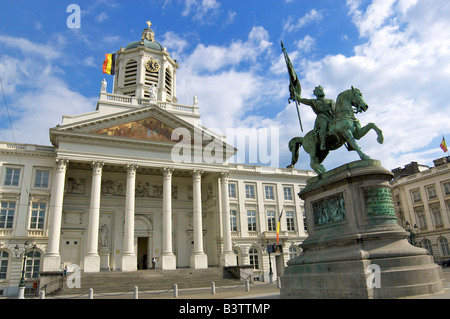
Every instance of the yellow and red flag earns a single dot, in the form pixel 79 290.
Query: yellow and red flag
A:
pixel 278 227
pixel 109 64
pixel 443 145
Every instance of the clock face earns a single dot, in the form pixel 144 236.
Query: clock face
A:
pixel 152 66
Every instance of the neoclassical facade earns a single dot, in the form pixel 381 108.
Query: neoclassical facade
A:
pixel 139 178
pixel 422 200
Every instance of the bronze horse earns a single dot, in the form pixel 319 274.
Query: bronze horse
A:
pixel 344 128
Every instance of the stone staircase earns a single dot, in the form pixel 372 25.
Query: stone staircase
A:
pixel 147 280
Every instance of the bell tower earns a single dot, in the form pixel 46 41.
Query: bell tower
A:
pixel 144 69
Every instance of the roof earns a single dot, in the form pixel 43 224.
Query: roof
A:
pixel 148 44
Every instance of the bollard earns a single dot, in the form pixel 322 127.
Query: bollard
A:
pixel 175 291
pixel 91 293
pixel 42 294
pixel 21 294
pixel 279 283
pixel 213 288
pixel 136 292
pixel 247 285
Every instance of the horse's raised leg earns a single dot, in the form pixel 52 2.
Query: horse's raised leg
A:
pixel 350 139
pixel 359 133
pixel 316 164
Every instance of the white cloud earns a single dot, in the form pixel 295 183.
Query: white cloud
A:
pixel 212 58
pixel 312 16
pixel 201 10
pixel 35 92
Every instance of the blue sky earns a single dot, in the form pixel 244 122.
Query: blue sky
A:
pixel 397 52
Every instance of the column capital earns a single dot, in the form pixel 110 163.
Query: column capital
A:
pixel 97 167
pixel 197 175
pixel 131 169
pixel 61 164
pixel 224 176
pixel 167 172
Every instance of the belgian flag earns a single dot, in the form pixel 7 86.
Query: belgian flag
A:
pixel 109 65
pixel 278 227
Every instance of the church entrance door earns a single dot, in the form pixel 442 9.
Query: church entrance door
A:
pixel 143 260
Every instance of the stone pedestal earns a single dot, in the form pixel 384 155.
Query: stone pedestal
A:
pixel 355 248
pixel 104 258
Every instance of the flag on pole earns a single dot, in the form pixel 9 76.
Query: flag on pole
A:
pixel 443 145
pixel 278 227
pixel 109 64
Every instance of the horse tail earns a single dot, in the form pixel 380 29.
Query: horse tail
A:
pixel 294 146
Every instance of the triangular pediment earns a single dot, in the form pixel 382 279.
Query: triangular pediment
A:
pixel 149 125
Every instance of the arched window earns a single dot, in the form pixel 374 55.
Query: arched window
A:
pixel 130 76
pixel 33 264
pixel 168 85
pixel 254 258
pixel 4 259
pixel 426 243
pixel 443 244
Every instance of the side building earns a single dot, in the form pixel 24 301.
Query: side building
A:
pixel 140 177
pixel 422 201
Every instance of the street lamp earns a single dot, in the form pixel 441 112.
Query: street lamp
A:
pixel 412 232
pixel 270 249
pixel 23 255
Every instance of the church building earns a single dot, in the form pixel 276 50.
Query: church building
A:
pixel 138 184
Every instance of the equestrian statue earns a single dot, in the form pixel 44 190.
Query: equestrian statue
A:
pixel 335 124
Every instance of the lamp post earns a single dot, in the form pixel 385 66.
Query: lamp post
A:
pixel 412 232
pixel 270 249
pixel 23 255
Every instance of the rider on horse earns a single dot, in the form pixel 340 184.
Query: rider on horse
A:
pixel 324 109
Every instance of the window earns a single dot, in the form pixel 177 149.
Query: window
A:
pixel 292 252
pixel 4 258
pixel 447 188
pixel 41 179
pixel 431 192
pixel 37 215
pixel 32 265
pixel 12 177
pixel 253 255
pixel 416 196
pixel 271 222
pixel 443 243
pixel 232 190
pixel 7 214
pixel 287 190
pixel 426 243
pixel 421 218
pixel 249 191
pixel 436 212
pixel 269 192
pixel 233 220
pixel 251 220
pixel 290 221
pixel 304 220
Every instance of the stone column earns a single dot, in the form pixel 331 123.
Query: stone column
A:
pixel 92 259
pixel 168 259
pixel 227 258
pixel 199 259
pixel 52 258
pixel 129 261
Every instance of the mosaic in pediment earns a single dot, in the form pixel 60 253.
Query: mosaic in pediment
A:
pixel 146 129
